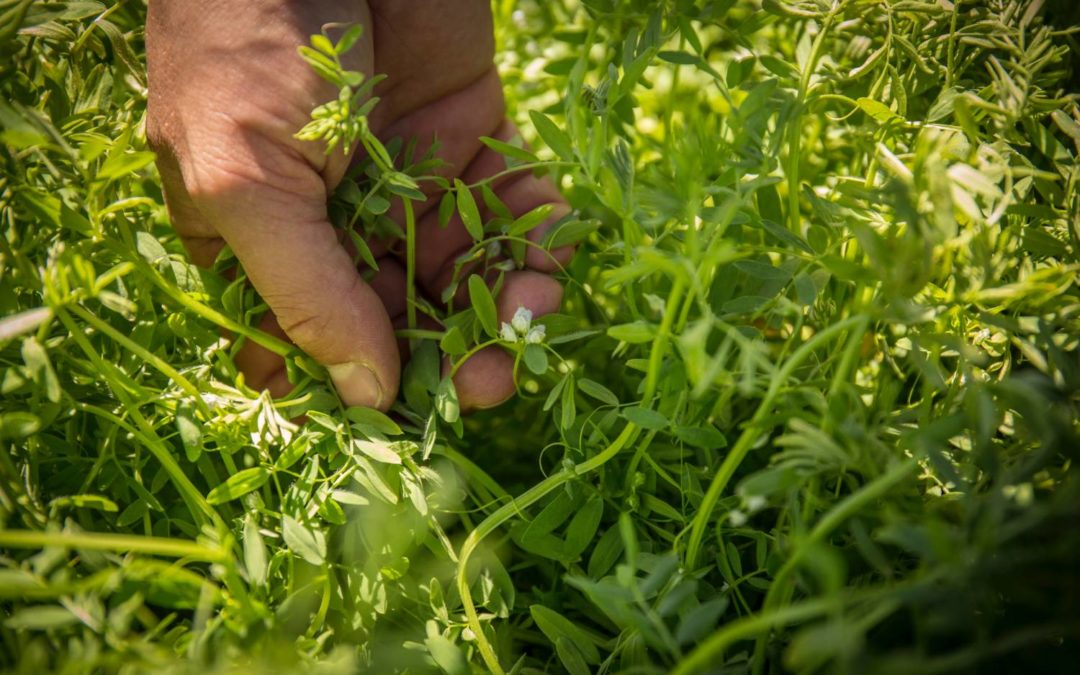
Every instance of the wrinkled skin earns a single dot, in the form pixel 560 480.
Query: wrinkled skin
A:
pixel 228 91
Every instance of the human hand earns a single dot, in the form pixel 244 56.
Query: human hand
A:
pixel 227 94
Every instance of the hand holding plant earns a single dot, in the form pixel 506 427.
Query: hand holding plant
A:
pixel 228 94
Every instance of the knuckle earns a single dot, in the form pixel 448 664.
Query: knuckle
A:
pixel 307 328
pixel 323 333
pixel 233 169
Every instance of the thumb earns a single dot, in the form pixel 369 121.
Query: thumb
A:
pixel 269 204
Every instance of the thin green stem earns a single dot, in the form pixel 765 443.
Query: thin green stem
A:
pixel 710 652
pixel 780 589
pixel 509 510
pixel 269 342
pixel 951 50
pixel 538 491
pixel 795 133
pixel 119 543
pixel 410 263
pixel 419 334
pixel 198 506
pixel 467 355
pixel 145 354
pixel 656 357
pixel 750 433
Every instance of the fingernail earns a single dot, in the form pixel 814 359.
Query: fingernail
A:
pixel 357 384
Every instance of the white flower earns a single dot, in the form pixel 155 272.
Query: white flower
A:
pixel 737 518
pixel 507 333
pixel 755 503
pixel 521 321
pixel 535 335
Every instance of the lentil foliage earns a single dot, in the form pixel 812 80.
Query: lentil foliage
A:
pixel 811 405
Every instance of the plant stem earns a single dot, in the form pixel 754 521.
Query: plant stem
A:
pixel 507 511
pixel 198 506
pixel 795 130
pixel 119 543
pixel 145 354
pixel 410 262
pixel 750 434
pixel 269 342
pixel 780 590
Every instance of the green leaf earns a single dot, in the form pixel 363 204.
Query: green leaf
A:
pixel 332 512
pixel 805 290
pixel 305 541
pixel 150 248
pixel 495 205
pixel 569 407
pixel 555 137
pixel 254 552
pixel 348 39
pixel 535 359
pixel 568 233
pixel 43 617
pixel 37 362
pixel 23 322
pixel 530 220
pixel 132 513
pixel 190 432
pixel 606 553
pixel 519 154
pixel 633 333
pixel 453 342
pixel 370 417
pixel 706 437
pixel 323 66
pixel 551 516
pixel 376 204
pixel 12 13
pixel 238 485
pixel 322 43
pixel 123 163
pixel 484 305
pixel 571 656
pixel 700 621
pixel 878 111
pixel 747 304
pixel 446 401
pixel 582 528
pixel 379 451
pixel 447 655
pixel 783 234
pixel 85 502
pixel 679 58
pixel 446 208
pixel 597 391
pixel 779 67
pixel 554 626
pixel 645 418
pixel 553 395
pixel 18 424
pixel 760 270
pixel 470 214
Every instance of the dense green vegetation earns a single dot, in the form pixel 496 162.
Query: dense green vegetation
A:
pixel 811 404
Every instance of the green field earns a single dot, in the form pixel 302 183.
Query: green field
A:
pixel 811 403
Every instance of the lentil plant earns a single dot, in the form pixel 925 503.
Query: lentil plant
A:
pixel 811 404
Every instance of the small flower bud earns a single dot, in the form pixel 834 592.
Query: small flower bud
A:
pixel 521 321
pixel 507 333
pixel 536 335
